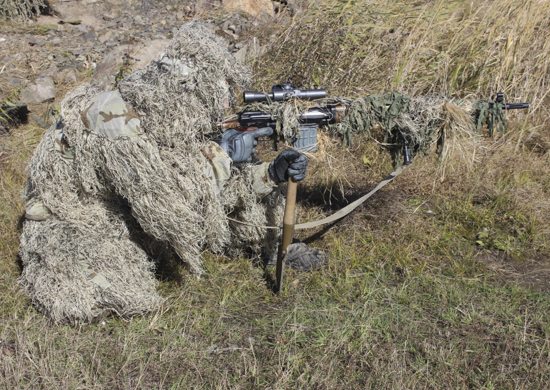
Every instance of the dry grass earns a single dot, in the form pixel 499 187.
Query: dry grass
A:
pixel 430 47
pixel 434 283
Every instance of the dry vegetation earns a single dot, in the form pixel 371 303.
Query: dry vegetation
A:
pixel 438 282
pixel 20 9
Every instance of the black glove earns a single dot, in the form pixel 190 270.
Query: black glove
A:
pixel 240 145
pixel 289 163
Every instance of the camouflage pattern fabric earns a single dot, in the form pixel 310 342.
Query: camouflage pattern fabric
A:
pixel 261 181
pixel 36 210
pixel 109 115
pixel 219 171
pixel 304 258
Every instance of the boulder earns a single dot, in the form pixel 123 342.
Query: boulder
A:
pixel 42 90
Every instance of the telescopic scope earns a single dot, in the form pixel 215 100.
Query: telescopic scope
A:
pixel 284 92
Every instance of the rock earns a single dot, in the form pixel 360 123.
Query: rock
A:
pixel 140 54
pixel 64 75
pixel 14 81
pixel 252 7
pixel 241 54
pixel 90 36
pixel 50 72
pixel 34 41
pixel 106 71
pixel 109 35
pixel 41 91
pixel 109 16
pixel 232 36
pixel 147 52
pixel 138 19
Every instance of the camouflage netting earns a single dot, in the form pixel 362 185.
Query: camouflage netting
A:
pixel 387 118
pixel 119 206
pixel 22 9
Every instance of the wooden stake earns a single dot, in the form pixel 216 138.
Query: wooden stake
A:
pixel 288 230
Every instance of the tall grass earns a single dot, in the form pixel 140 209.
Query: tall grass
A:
pixel 447 47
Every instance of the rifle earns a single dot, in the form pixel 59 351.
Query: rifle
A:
pixel 509 106
pixel 309 120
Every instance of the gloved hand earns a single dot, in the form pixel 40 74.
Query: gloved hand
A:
pixel 240 145
pixel 289 163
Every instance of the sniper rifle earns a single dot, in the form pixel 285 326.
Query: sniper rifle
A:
pixel 309 120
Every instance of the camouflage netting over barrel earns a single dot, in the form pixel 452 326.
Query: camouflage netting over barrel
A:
pixel 20 9
pixel 104 208
pixel 391 117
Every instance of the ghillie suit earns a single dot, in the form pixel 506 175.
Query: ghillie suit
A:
pixel 22 9
pixel 129 177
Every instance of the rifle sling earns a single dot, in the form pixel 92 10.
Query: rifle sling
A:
pixel 340 213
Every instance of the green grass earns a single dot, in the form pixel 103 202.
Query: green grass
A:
pixel 376 328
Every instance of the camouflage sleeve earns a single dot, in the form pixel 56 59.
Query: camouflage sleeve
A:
pixel 218 169
pixel 261 181
pixel 109 115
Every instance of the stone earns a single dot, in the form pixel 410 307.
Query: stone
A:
pixel 106 71
pixel 109 35
pixel 241 54
pixel 147 52
pixel 43 90
pixel 67 76
pixel 253 7
pixel 140 54
pixel 109 16
pixel 232 36
pixel 50 72
pixel 34 41
pixel 90 36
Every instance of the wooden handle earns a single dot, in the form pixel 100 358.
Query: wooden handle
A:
pixel 288 230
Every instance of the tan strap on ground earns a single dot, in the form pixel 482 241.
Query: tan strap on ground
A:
pixel 350 207
pixel 337 215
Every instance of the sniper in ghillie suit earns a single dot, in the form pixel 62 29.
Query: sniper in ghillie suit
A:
pixel 152 172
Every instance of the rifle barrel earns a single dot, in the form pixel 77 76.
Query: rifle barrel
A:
pixel 515 106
